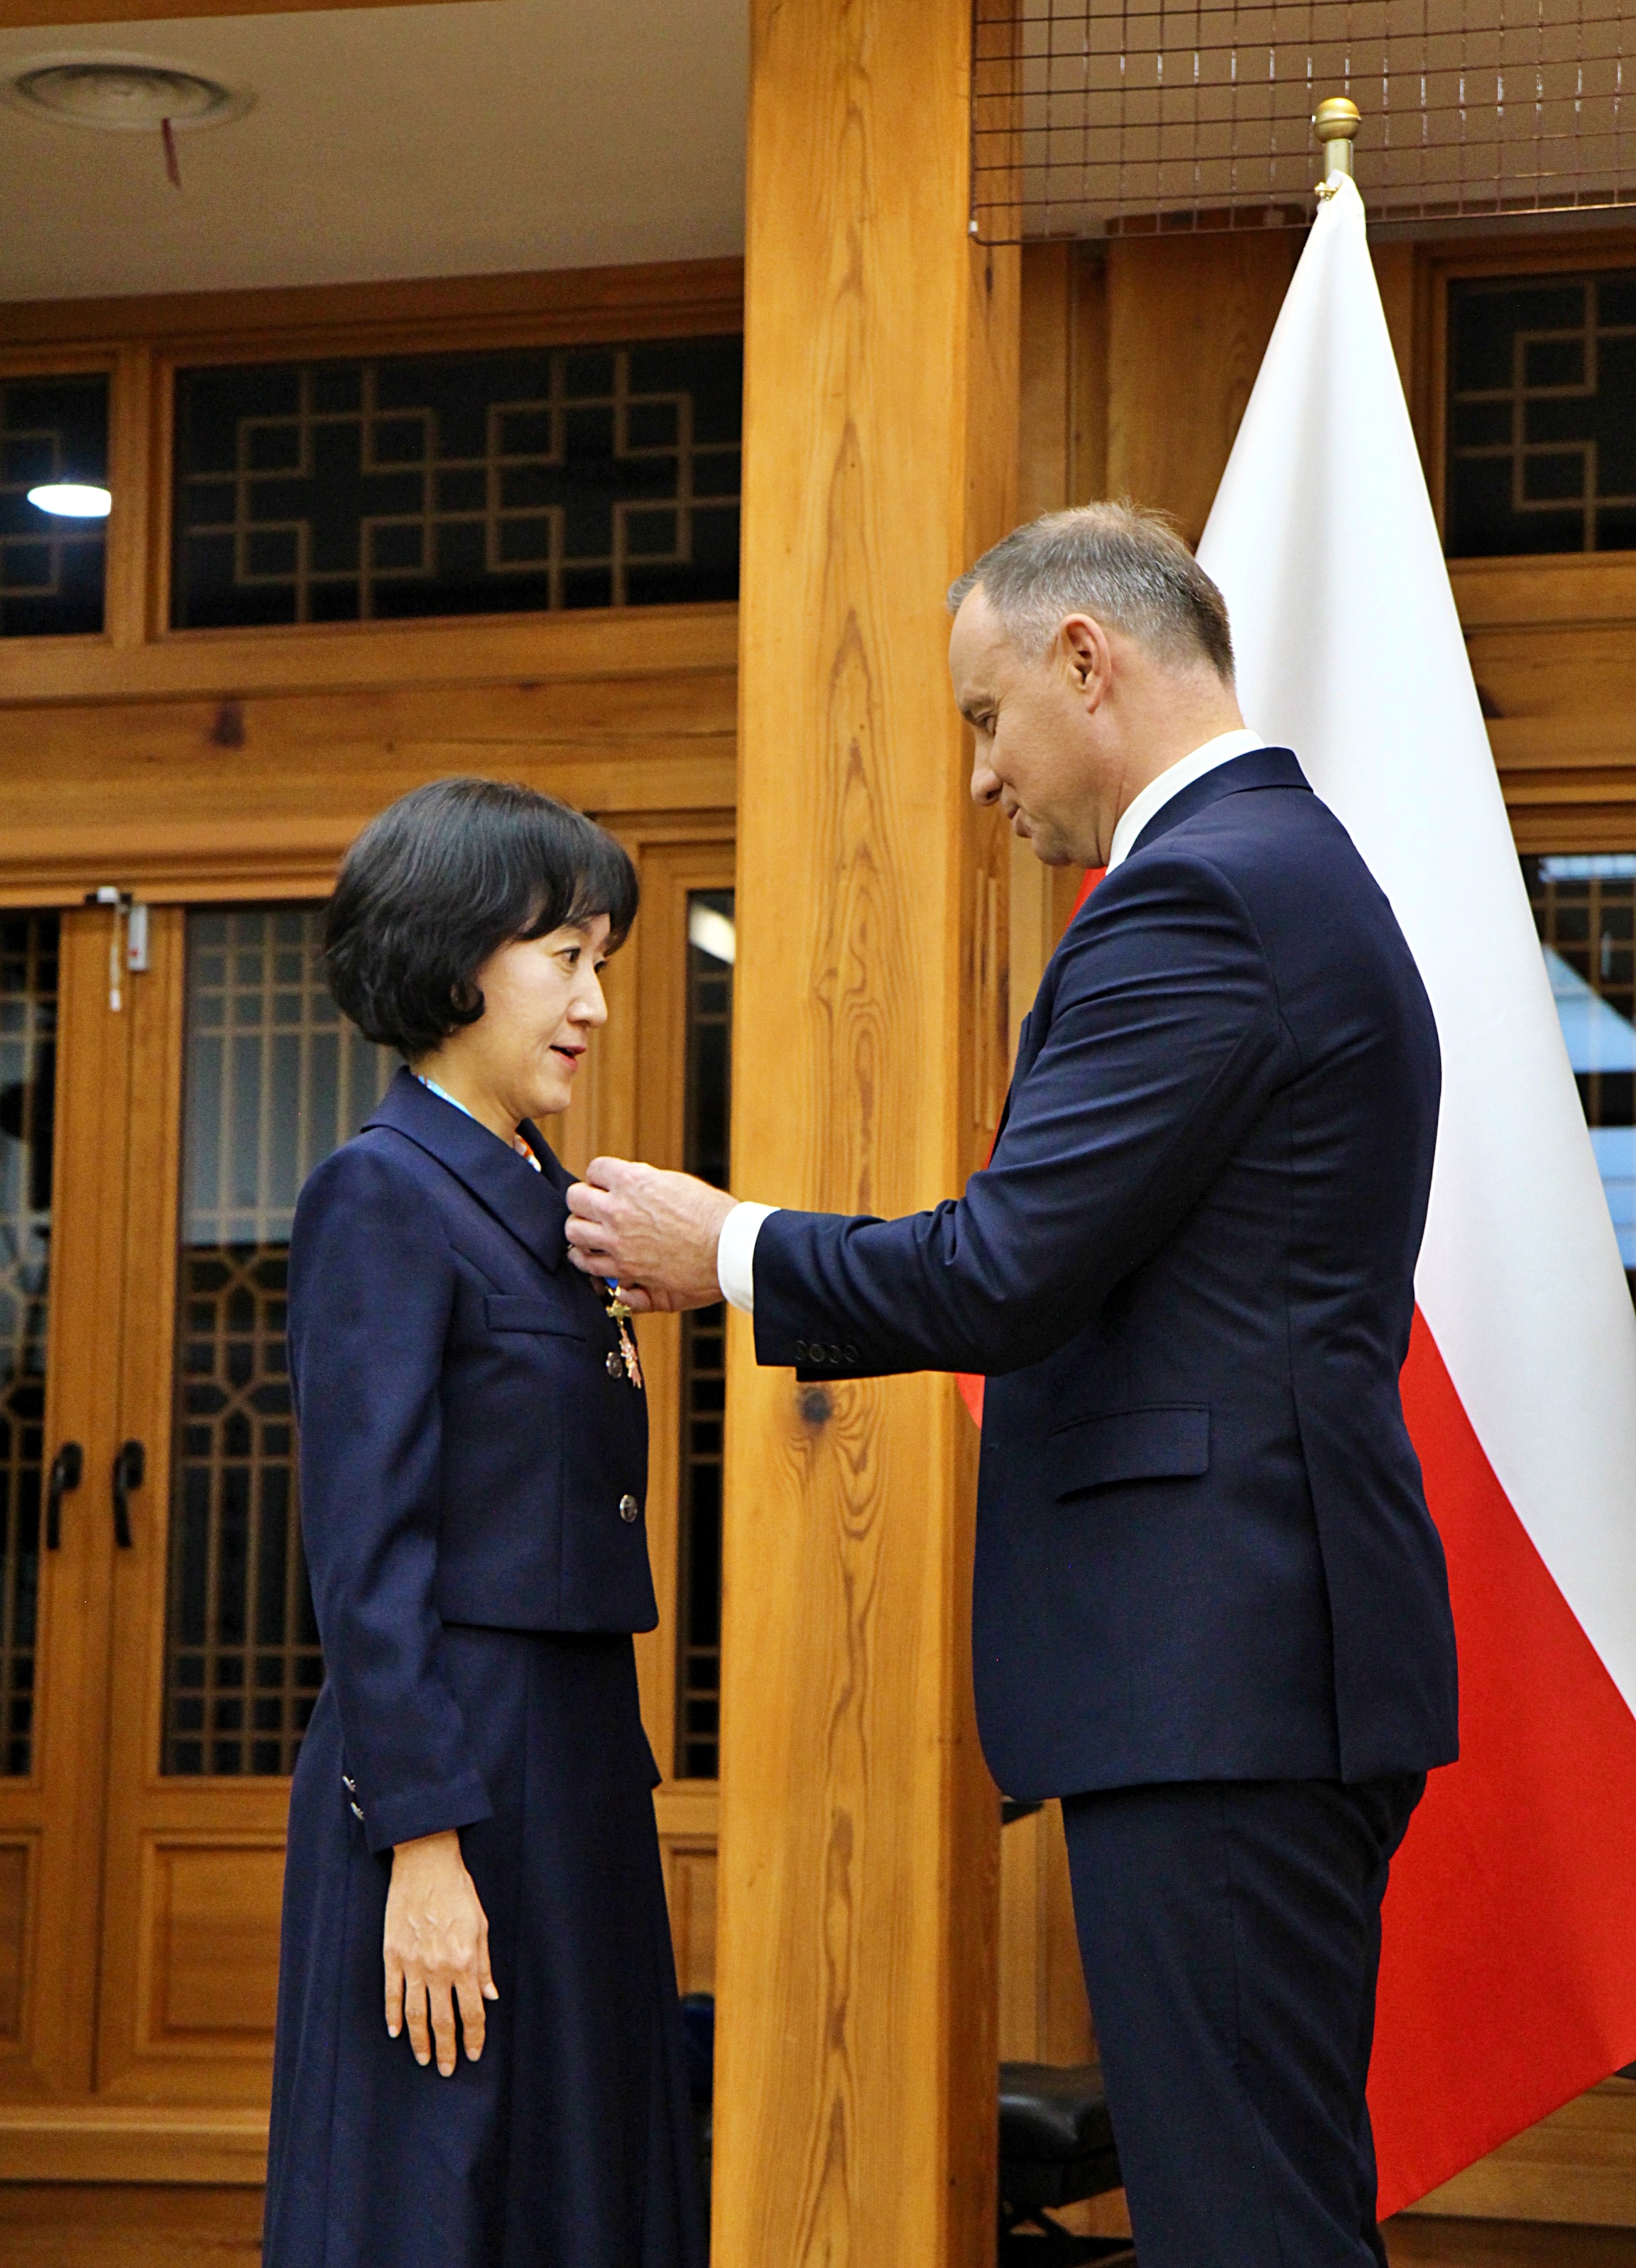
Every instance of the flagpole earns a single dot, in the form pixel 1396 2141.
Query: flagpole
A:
pixel 1335 121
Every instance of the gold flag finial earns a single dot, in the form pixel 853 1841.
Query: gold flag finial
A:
pixel 1335 121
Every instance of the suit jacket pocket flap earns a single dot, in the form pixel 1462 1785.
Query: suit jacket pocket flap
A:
pixel 510 1311
pixel 1130 1445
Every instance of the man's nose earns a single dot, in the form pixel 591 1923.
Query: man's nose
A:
pixel 984 782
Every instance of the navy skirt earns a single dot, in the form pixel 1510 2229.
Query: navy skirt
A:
pixel 571 2145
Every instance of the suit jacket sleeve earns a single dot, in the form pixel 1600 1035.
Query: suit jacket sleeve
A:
pixel 1165 1040
pixel 371 1286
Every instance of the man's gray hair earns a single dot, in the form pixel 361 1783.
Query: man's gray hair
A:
pixel 1125 567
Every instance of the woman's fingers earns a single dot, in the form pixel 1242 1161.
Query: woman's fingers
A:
pixel 468 1993
pixel 394 1996
pixel 485 1974
pixel 415 2017
pixel 441 2001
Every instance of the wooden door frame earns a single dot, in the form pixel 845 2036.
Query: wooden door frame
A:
pixel 54 1814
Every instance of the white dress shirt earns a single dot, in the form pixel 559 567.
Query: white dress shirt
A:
pixel 735 1252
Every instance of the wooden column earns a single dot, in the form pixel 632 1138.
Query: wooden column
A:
pixel 855 2119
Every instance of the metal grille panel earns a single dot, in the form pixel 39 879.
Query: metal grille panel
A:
pixel 275 1080
pixel 710 940
pixel 1088 119
pixel 28 1003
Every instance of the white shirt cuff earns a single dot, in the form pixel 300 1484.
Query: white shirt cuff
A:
pixel 735 1254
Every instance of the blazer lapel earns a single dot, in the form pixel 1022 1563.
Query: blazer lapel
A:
pixel 531 1206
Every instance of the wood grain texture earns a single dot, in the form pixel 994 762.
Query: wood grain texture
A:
pixel 854 2118
pixel 1414 2242
pixel 57 1812
pixel 16 14
pixel 674 299
pixel 1189 319
pixel 134 2225
pixel 1578 2165
pixel 59 2143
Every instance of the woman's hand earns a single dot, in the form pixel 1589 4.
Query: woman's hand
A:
pixel 437 1950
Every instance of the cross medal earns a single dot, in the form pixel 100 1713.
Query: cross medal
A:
pixel 620 1316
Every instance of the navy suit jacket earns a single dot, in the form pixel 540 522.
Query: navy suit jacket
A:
pixel 1202 1546
pixel 466 1447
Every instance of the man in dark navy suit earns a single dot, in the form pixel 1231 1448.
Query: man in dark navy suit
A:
pixel 1211 1611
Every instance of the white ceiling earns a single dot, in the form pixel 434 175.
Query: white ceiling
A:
pixel 445 140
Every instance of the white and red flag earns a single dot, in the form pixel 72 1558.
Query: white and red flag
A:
pixel 1508 1973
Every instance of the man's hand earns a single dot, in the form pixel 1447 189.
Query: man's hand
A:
pixel 653 1234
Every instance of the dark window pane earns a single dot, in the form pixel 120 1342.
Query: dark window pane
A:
pixel 257 1117
pixel 28 1003
pixel 1585 910
pixel 456 484
pixel 711 948
pixel 1532 363
pixel 51 568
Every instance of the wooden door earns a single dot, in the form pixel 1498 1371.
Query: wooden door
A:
pixel 241 1077
pixel 244 1078
pixel 65 1056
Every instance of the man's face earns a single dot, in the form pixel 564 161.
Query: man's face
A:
pixel 1037 748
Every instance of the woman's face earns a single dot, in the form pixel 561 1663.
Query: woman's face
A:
pixel 542 998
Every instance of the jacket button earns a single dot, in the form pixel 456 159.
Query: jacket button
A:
pixel 800 1349
pixel 813 1353
pixel 615 1365
pixel 852 1353
pixel 835 1354
pixel 628 1509
pixel 356 1813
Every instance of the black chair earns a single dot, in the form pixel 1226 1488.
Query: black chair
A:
pixel 1056 2147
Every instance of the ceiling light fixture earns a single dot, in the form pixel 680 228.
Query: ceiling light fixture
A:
pixel 72 500
pixel 128 93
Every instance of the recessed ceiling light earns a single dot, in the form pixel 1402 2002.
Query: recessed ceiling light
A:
pixel 72 500
pixel 128 93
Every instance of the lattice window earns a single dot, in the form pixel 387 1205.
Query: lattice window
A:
pixel 51 569
pixel 28 1003
pixel 586 477
pixel 275 1079
pixel 710 944
pixel 1541 415
pixel 1585 910
pixel 1090 120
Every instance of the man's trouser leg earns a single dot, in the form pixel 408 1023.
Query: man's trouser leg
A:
pixel 1231 1937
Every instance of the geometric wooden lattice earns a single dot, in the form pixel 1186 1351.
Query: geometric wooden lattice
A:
pixel 275 1079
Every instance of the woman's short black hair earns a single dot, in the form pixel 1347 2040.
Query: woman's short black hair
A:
pixel 441 879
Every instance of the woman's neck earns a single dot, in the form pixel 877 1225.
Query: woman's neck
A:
pixel 473 1096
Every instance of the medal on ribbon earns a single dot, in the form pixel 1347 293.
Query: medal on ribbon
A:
pixel 620 1316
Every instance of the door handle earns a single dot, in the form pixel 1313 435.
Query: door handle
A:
pixel 68 1469
pixel 130 1470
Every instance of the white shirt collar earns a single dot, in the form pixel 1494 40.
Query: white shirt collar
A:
pixel 1159 792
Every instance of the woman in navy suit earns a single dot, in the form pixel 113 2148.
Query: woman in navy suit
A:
pixel 479 2060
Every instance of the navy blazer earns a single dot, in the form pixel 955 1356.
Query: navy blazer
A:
pixel 471 1448
pixel 1202 1546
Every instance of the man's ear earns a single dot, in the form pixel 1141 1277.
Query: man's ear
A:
pixel 1086 657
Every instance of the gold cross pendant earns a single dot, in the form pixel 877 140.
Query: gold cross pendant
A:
pixel 620 1316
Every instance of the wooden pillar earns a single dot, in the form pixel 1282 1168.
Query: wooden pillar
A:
pixel 855 2118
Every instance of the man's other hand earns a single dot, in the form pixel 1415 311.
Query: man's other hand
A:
pixel 653 1234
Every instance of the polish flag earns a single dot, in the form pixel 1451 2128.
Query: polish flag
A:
pixel 1508 1973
